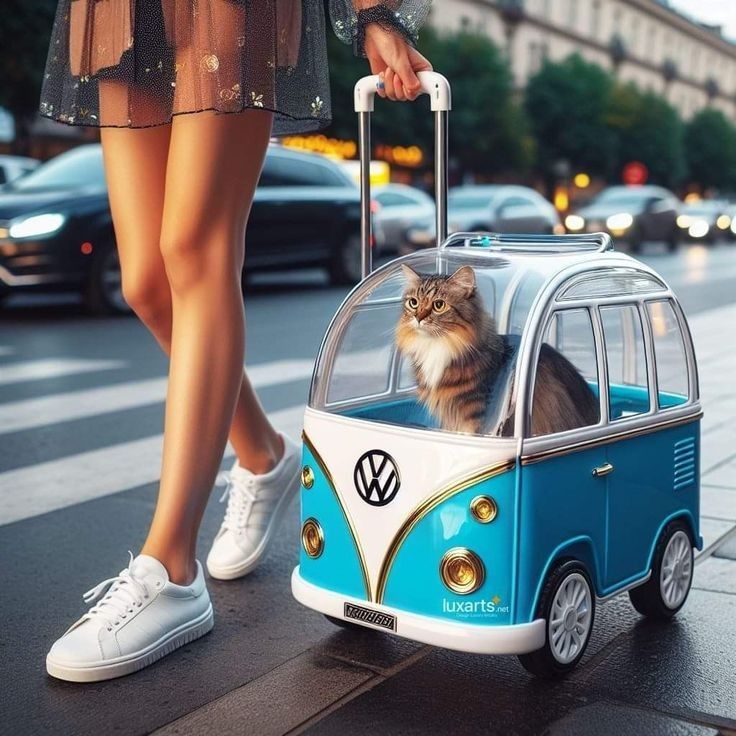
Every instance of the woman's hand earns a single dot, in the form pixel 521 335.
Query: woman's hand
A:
pixel 395 62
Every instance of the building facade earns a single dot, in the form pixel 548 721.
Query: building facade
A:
pixel 642 41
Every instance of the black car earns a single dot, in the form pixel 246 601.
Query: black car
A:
pixel 633 214
pixel 56 230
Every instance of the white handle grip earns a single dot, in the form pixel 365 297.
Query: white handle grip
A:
pixel 433 84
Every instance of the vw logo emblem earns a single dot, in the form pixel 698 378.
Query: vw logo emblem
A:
pixel 376 477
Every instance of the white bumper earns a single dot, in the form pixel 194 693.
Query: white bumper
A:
pixel 475 638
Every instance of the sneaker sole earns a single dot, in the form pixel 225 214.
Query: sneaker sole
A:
pixel 240 570
pixel 182 635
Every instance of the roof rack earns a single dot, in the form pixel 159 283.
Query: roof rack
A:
pixel 596 242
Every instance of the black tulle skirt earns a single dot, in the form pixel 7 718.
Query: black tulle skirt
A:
pixel 137 63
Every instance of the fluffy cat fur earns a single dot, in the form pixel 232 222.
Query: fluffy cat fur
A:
pixel 456 353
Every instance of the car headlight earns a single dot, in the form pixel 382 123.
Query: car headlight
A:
pixel 620 221
pixel 723 222
pixel 574 222
pixel 698 229
pixel 683 221
pixel 461 570
pixel 35 225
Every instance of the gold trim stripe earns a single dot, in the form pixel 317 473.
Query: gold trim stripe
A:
pixel 325 470
pixel 537 457
pixel 423 509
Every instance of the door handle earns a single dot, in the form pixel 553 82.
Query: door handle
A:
pixel 601 470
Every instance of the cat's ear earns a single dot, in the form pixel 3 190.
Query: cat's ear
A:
pixel 463 278
pixel 413 279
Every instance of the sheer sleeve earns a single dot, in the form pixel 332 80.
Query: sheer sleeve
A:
pixel 350 17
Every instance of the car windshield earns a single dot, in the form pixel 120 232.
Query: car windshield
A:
pixel 704 208
pixel 80 167
pixel 469 200
pixel 623 200
pixel 363 373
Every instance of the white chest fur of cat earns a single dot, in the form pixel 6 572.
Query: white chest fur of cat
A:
pixel 432 355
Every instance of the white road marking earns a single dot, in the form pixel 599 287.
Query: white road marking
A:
pixel 56 484
pixel 43 411
pixel 36 370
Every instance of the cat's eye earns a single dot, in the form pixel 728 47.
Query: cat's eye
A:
pixel 412 302
pixel 439 305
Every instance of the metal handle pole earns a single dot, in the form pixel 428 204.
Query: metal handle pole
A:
pixel 438 89
pixel 364 144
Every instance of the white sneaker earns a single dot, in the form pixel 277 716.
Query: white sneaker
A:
pixel 255 506
pixel 142 617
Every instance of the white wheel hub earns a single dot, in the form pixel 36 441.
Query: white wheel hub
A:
pixel 677 570
pixel 570 618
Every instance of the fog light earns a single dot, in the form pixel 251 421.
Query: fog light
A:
pixel 461 570
pixel 484 508
pixel 307 477
pixel 313 540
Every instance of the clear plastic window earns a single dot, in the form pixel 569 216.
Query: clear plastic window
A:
pixel 669 351
pixel 566 386
pixel 628 384
pixel 362 371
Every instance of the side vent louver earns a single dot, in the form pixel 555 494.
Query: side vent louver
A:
pixel 684 463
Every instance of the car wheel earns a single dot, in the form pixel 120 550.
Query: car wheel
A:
pixel 666 591
pixel 567 604
pixel 344 267
pixel 104 291
pixel 635 240
pixel 674 240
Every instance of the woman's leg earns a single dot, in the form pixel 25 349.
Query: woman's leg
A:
pixel 135 166
pixel 213 167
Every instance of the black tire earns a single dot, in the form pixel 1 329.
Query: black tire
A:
pixel 673 241
pixel 649 599
pixel 103 291
pixel 344 265
pixel 349 625
pixel 635 240
pixel 544 662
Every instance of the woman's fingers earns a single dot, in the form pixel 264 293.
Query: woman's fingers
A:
pixel 381 86
pixel 389 81
pixel 409 81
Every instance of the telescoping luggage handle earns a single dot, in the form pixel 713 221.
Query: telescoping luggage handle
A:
pixel 438 89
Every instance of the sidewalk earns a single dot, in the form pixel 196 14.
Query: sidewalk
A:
pixel 271 666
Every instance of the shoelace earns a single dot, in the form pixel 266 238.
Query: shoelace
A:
pixel 240 499
pixel 124 594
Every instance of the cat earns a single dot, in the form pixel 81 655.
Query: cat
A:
pixel 457 353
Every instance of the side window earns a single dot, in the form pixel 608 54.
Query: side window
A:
pixel 284 171
pixel 628 385
pixel 566 378
pixel 669 351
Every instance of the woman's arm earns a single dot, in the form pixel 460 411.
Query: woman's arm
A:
pixel 385 34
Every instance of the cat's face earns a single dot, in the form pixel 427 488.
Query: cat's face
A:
pixel 439 306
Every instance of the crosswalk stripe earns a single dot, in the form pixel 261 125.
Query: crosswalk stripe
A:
pixel 56 484
pixel 36 370
pixel 43 411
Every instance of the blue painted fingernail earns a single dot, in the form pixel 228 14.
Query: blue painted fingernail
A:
pixel 380 84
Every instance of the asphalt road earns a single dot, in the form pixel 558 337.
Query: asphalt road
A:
pixel 81 417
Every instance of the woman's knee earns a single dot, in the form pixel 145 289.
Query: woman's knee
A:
pixel 191 258
pixel 149 296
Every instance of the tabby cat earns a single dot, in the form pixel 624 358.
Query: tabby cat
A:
pixel 456 352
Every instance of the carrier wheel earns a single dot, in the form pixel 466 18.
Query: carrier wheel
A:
pixel 343 624
pixel 344 266
pixel 567 604
pixel 666 591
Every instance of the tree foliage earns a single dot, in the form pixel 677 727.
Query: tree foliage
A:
pixel 567 103
pixel 710 148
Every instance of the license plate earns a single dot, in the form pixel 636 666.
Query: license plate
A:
pixel 370 616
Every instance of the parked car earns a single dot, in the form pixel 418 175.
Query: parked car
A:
pixel 397 208
pixel 631 214
pixel 705 220
pixel 494 207
pixel 56 230
pixel 13 167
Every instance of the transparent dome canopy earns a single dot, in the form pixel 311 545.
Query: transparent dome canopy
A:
pixel 361 372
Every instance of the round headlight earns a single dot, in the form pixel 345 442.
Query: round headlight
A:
pixel 462 570
pixel 484 509
pixel 307 477
pixel 313 540
pixel 574 222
